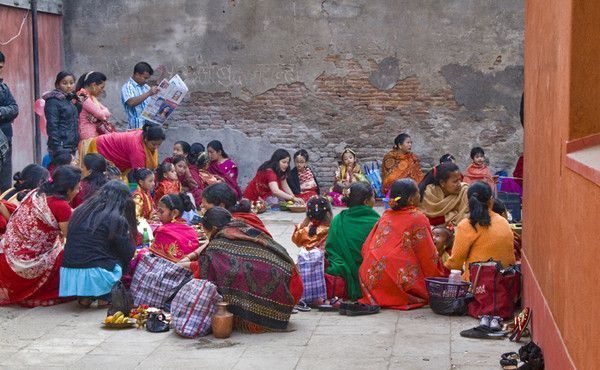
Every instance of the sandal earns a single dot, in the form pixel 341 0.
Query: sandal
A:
pixel 100 303
pixel 85 302
pixel 333 305
pixel 521 323
pixel 302 307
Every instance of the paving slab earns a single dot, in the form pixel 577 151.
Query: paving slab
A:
pixel 66 336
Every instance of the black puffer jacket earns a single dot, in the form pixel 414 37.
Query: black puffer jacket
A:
pixel 9 110
pixel 61 120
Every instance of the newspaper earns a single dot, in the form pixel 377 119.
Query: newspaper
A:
pixel 163 104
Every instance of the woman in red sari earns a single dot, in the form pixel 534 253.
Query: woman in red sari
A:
pixel 131 149
pixel 32 247
pixel 175 239
pixel 222 166
pixel 399 253
pixel 221 195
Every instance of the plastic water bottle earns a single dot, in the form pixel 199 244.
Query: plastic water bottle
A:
pixel 145 238
pixel 454 281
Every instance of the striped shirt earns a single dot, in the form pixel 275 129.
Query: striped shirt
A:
pixel 132 89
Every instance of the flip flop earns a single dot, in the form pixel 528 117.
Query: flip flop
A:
pixel 332 306
pixel 302 307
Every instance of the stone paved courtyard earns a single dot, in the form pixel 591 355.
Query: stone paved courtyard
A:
pixel 67 336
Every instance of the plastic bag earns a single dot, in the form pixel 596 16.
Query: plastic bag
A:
pixel 120 299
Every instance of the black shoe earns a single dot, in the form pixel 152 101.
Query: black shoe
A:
pixel 358 309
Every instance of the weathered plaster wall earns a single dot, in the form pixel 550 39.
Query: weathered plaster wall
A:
pixel 322 74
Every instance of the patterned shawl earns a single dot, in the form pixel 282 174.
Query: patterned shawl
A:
pixel 174 240
pixel 252 273
pixel 397 165
pixel 227 170
pixel 32 241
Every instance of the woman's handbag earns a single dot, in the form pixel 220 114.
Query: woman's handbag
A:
pixel 155 280
pixel 193 307
pixel 495 290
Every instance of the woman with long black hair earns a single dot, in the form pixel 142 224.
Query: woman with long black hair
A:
pixel 100 245
pixel 269 183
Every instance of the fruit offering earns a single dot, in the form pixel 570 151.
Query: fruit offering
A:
pixel 118 318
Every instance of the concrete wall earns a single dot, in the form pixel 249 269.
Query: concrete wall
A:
pixel 18 72
pixel 561 207
pixel 322 74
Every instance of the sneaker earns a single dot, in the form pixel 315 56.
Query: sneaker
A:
pixel 358 309
pixel 485 321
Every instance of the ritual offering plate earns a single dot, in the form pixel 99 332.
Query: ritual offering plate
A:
pixel 297 208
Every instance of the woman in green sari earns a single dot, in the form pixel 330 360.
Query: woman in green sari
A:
pixel 347 233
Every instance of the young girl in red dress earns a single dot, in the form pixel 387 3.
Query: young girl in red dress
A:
pixel 168 181
pixel 144 204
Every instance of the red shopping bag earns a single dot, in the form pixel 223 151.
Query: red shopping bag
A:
pixel 495 290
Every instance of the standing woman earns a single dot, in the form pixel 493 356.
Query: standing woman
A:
pixel 269 183
pixel 400 163
pixel 90 87
pixel 62 114
pixel 131 149
pixel 100 245
pixel 221 165
pixel 32 247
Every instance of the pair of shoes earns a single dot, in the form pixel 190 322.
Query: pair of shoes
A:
pixel 532 357
pixel 492 322
pixel 358 309
pixel 509 360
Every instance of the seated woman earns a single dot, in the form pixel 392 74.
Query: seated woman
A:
pixel 222 166
pixel 400 163
pixel 252 272
pixel 174 239
pixel 95 166
pixel 484 235
pixel 32 247
pixel 168 181
pixel 269 183
pixel 180 148
pixel 206 178
pixel 302 180
pixel 313 231
pixel 31 177
pixel 444 196
pixel 184 175
pixel 399 253
pixel 348 173
pixel 347 233
pixel 100 244
pixel 221 195
pixel 144 204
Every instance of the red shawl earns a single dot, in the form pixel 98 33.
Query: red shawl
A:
pixel 252 220
pixel 476 172
pixel 174 240
pixel 397 257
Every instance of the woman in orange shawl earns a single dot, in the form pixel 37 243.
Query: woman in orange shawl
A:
pixel 399 254
pixel 132 149
pixel 400 163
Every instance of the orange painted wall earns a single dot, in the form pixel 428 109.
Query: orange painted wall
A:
pixel 561 208
pixel 18 72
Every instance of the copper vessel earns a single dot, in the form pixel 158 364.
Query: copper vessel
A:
pixel 222 321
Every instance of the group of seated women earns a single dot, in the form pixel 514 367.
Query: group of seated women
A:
pixel 52 253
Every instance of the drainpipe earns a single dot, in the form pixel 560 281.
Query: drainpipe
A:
pixel 36 82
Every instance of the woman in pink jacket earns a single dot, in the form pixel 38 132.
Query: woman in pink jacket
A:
pixel 89 87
